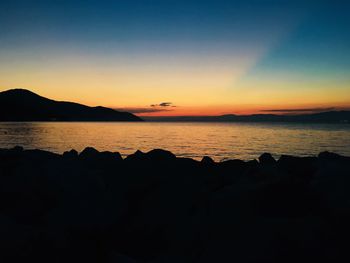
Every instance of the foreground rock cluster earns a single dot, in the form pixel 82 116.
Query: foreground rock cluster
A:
pixel 154 207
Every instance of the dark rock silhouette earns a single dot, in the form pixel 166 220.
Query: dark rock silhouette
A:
pixel 267 159
pixel 24 105
pixel 159 155
pixel 72 154
pixel 89 153
pixel 207 160
pixel 154 207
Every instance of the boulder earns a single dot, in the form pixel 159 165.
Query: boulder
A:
pixel 71 155
pixel 159 155
pixel 17 149
pixel 154 207
pixel 332 157
pixel 267 159
pixel 207 160
pixel 88 153
pixel 301 167
pixel 137 156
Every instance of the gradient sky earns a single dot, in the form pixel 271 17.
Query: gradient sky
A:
pixel 182 57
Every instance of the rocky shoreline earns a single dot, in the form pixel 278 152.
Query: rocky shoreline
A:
pixel 154 207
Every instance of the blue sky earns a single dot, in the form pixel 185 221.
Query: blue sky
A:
pixel 198 54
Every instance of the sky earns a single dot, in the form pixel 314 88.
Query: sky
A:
pixel 177 57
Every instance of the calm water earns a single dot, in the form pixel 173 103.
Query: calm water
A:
pixel 219 140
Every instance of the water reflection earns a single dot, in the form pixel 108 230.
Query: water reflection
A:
pixel 219 140
pixel 12 134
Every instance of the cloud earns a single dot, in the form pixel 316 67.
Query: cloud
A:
pixel 161 107
pixel 163 104
pixel 310 110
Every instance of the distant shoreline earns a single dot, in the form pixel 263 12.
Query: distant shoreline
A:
pixel 161 120
pixel 341 117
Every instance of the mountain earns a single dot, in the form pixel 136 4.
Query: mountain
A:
pixel 24 105
pixel 323 117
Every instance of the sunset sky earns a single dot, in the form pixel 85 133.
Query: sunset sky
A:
pixel 177 57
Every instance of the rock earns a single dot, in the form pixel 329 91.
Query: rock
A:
pixel 159 155
pixel 301 167
pixel 207 160
pixel 71 155
pixel 17 149
pixel 88 153
pixel 137 156
pixel 111 156
pixel 329 156
pixel 101 160
pixel 233 166
pixel 40 155
pixel 14 152
pixel 252 164
pixel 119 258
pixel 267 159
pixel 154 207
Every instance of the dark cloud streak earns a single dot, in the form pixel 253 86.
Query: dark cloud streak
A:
pixel 161 107
pixel 163 104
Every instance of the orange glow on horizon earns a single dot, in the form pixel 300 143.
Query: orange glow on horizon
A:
pixel 247 110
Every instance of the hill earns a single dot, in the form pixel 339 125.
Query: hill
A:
pixel 24 105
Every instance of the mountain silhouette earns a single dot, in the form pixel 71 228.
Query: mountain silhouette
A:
pixel 322 117
pixel 24 105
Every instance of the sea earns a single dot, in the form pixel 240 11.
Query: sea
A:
pixel 221 141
